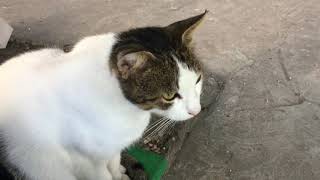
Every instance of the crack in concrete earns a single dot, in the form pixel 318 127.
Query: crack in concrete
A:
pixel 283 67
pixel 313 102
pixel 300 101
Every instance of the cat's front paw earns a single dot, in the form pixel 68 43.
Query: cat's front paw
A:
pixel 121 177
pixel 119 174
pixel 125 177
pixel 122 169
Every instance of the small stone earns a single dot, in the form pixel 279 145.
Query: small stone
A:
pixel 5 33
pixel 173 139
pixel 173 8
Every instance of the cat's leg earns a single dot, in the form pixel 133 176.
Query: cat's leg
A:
pixel 116 169
pixel 40 164
pixel 87 168
pixel 102 172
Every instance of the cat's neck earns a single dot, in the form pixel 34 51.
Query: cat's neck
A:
pixel 91 79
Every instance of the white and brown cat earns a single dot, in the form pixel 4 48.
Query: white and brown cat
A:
pixel 67 116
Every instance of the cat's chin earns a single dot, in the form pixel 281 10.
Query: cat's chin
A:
pixel 172 116
pixel 180 118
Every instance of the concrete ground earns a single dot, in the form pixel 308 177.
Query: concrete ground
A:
pixel 266 122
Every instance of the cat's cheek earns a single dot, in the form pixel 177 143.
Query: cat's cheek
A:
pixel 178 112
pixel 199 88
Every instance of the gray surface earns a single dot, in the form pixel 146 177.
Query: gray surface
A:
pixel 266 123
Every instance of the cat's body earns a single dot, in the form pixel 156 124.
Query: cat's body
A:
pixel 77 106
pixel 65 115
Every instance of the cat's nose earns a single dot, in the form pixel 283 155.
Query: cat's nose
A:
pixel 194 111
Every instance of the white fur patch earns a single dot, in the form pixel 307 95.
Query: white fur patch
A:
pixel 189 105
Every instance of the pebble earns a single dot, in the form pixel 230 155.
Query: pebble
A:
pixel 5 33
pixel 173 8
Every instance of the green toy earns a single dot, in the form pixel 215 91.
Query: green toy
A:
pixel 154 164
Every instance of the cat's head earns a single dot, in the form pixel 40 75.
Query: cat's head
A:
pixel 158 70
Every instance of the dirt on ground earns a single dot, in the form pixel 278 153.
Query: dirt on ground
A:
pixel 14 48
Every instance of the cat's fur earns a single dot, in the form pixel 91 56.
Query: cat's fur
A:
pixel 67 116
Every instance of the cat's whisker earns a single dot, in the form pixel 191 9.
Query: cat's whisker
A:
pixel 171 129
pixel 165 126
pixel 155 124
pixel 152 131
pixel 159 127
pixel 168 128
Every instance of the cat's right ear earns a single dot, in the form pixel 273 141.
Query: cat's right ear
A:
pixel 184 29
pixel 130 62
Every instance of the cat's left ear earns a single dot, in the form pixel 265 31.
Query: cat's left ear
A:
pixel 130 62
pixel 185 28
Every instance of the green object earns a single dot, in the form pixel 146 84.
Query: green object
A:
pixel 154 164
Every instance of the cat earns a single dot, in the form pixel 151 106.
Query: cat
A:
pixel 69 115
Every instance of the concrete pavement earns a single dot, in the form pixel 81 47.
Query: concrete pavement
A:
pixel 266 123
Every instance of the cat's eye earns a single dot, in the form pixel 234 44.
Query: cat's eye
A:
pixel 171 97
pixel 198 79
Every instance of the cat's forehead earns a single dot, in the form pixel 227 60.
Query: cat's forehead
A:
pixel 158 42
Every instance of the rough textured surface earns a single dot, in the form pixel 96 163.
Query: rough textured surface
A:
pixel 265 124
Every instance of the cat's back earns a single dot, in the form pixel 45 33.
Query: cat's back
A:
pixel 21 74
pixel 89 51
pixel 38 76
pixel 30 60
pixel 27 67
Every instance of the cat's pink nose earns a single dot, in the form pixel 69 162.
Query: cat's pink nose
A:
pixel 194 112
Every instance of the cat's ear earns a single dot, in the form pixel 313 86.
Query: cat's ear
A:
pixel 129 62
pixel 185 28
